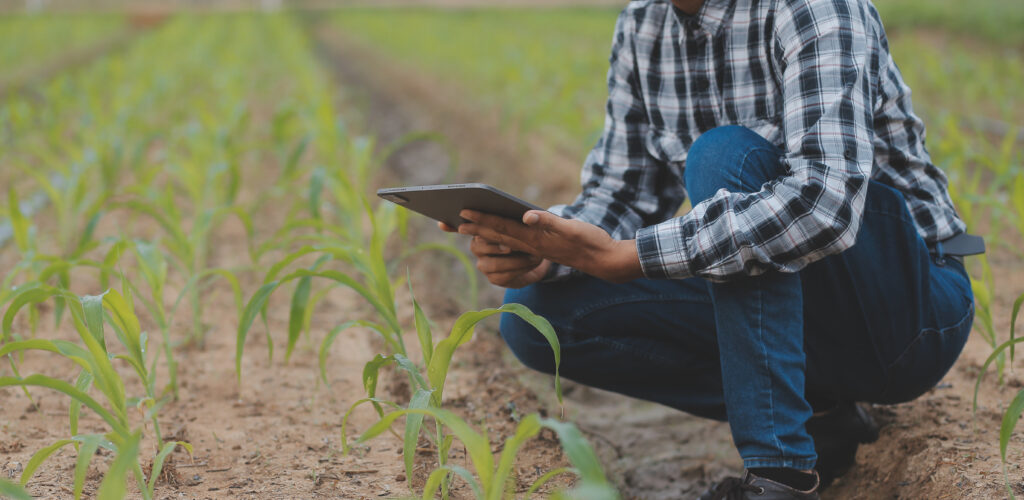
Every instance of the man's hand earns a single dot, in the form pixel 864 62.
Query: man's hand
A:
pixel 573 243
pixel 501 265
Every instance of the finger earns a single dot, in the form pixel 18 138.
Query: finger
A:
pixel 516 279
pixel 480 246
pixel 507 264
pixel 474 229
pixel 446 228
pixel 531 277
pixel 542 219
pixel 500 224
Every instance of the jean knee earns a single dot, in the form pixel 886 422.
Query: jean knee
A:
pixel 528 345
pixel 721 159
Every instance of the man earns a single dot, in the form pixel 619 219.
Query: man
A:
pixel 810 273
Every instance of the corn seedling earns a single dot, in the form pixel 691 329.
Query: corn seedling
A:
pixel 95 357
pixel 1016 407
pixel 428 382
pixel 491 480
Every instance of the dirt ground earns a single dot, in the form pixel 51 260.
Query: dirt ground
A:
pixel 278 436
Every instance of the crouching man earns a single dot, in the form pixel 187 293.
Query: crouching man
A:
pixel 810 273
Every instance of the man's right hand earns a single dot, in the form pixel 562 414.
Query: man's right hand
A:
pixel 501 265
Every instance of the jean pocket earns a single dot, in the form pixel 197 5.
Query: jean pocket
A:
pixel 927 359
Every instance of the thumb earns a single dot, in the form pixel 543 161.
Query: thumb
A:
pixel 540 218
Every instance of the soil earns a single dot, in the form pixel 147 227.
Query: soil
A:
pixel 278 434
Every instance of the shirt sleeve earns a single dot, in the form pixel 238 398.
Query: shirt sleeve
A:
pixel 822 58
pixel 623 187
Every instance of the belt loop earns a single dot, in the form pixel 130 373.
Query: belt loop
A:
pixel 940 254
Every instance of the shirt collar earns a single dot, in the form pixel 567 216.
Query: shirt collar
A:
pixel 709 18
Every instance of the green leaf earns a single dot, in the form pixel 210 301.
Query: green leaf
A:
pixel 85 453
pixel 32 295
pixel 578 450
pixel 13 491
pixel 548 476
pixel 294 156
pixel 346 280
pixel 422 329
pixel 1013 322
pixel 124 319
pixel 297 314
pixel 316 187
pixel 528 427
pixel 439 474
pixel 476 444
pixel 1010 419
pixel 462 332
pixel 406 365
pixel 255 305
pixel 19 224
pixel 371 371
pixel 39 457
pixel 75 406
pixel 996 354
pixel 348 413
pixel 92 305
pixel 413 423
pixel 69 390
pixel 298 310
pixel 113 485
pixel 158 461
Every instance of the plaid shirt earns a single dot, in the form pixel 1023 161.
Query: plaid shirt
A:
pixel 814 77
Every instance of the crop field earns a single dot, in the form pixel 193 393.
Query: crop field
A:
pixel 200 297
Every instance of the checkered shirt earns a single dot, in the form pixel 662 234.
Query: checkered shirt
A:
pixel 813 77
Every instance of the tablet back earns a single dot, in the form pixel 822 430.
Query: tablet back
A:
pixel 444 202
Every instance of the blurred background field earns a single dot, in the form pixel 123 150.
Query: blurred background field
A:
pixel 209 131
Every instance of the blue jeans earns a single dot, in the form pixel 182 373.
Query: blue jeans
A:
pixel 881 322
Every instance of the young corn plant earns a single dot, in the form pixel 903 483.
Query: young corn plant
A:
pixel 1016 407
pixel 493 475
pixel 95 357
pixel 428 379
pixel 355 233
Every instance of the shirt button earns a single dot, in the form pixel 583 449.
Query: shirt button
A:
pixel 702 83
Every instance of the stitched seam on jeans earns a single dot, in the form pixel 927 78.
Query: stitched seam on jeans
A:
pixel 764 352
pixel 618 301
pixel 627 348
pixel 743 162
pixel 948 330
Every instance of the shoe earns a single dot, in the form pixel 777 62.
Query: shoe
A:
pixel 837 434
pixel 753 487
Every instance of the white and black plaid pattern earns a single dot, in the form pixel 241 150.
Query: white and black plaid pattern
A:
pixel 814 77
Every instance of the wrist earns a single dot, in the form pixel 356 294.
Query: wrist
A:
pixel 622 262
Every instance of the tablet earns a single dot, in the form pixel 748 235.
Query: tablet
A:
pixel 444 202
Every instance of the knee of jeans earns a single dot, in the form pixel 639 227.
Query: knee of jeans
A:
pixel 716 161
pixel 528 345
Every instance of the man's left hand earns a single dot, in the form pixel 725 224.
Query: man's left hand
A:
pixel 572 243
